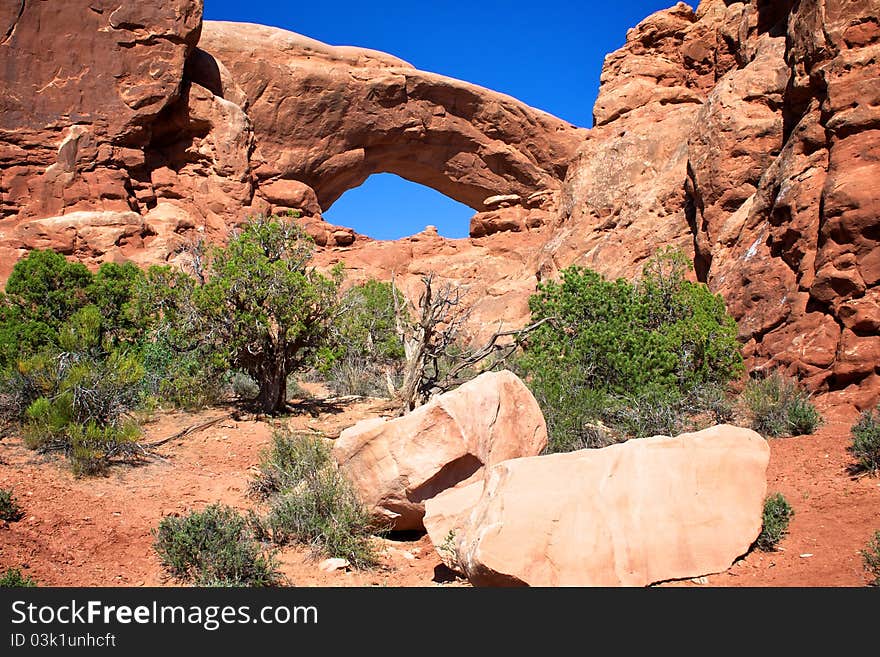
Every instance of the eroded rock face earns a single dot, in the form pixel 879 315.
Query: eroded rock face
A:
pixel 782 161
pixel 396 465
pixel 624 195
pixel 97 115
pixel 83 84
pixel 493 275
pixel 632 514
pixel 141 120
pixel 746 133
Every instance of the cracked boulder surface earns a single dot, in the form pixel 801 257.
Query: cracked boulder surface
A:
pixel 632 514
pixel 397 465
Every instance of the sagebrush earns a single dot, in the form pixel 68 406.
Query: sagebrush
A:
pixel 12 578
pixel 10 509
pixel 865 445
pixel 775 520
pixel 214 547
pixel 779 406
pixel 311 502
pixel 871 558
pixel 288 461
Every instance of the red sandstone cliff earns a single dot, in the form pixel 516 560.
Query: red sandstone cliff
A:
pixel 748 133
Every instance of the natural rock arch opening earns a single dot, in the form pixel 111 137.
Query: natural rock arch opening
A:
pixel 388 207
pixel 329 117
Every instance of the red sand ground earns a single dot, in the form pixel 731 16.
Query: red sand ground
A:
pixel 96 531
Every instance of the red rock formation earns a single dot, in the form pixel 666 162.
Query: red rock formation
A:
pixel 332 116
pixel 783 160
pixel 624 193
pixel 84 84
pixel 746 132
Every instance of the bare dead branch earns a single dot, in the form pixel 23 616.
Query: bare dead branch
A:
pixel 429 339
pixel 186 431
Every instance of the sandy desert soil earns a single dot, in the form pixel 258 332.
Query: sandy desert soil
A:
pixel 97 531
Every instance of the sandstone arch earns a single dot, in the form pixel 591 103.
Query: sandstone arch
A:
pixel 330 117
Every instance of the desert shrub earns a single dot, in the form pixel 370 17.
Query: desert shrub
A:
pixel 76 391
pixel 311 502
pixel 650 413
pixel 44 295
pixel 20 336
pixel 48 286
pixel 42 292
pixel 181 369
pixel 105 391
pixel 22 383
pixel 191 387
pixel 325 514
pixel 80 405
pixel 244 386
pixel 366 324
pixel 93 446
pixel 572 413
pixel 288 461
pixel 10 510
pixel 865 445
pixel 70 365
pixel 214 547
pixel 714 400
pixel 776 517
pixel 364 347
pixel 184 379
pixel 780 407
pixel 111 292
pixel 656 340
pixel 79 353
pixel 803 418
pixel 351 375
pixel 871 558
pixel 13 578
pixel 254 306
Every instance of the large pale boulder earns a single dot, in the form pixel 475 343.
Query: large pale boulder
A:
pixel 631 514
pixel 397 464
pixel 446 514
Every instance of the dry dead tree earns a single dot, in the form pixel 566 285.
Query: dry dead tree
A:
pixel 429 331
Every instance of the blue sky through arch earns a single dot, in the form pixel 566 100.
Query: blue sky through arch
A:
pixel 387 207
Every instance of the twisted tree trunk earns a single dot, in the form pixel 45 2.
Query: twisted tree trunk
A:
pixel 272 380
